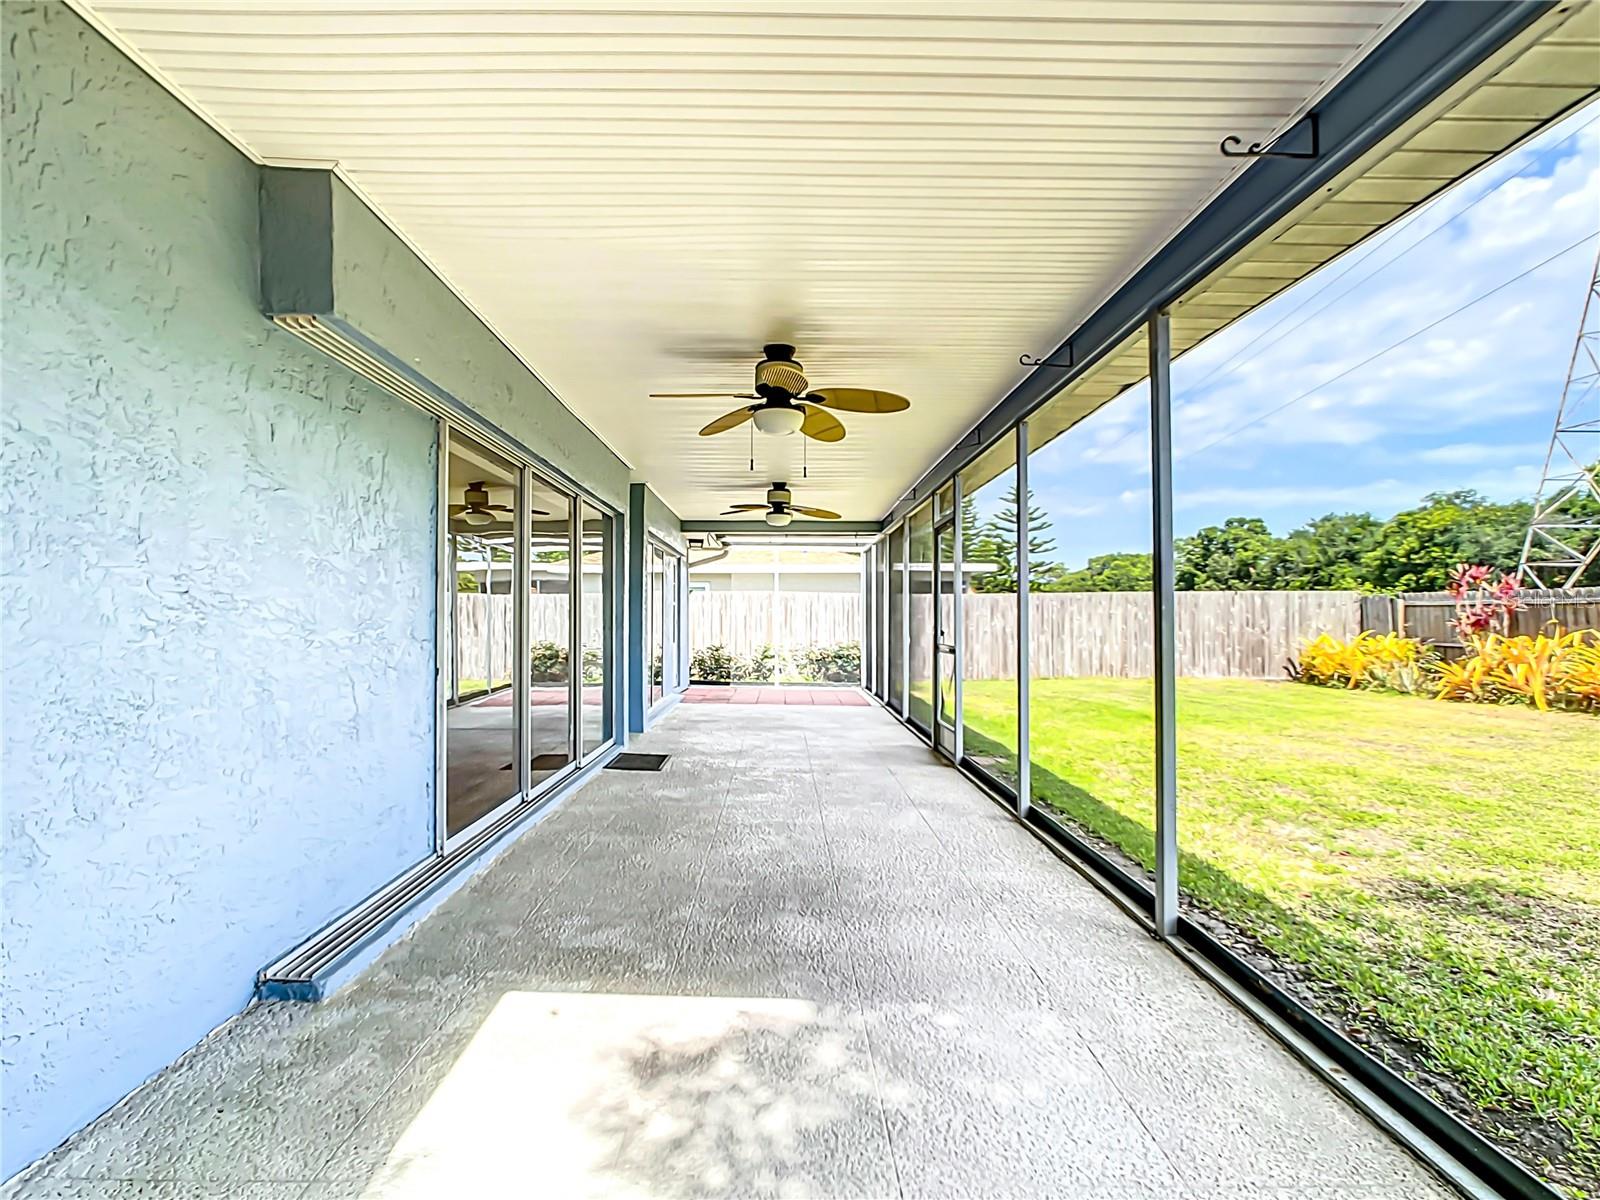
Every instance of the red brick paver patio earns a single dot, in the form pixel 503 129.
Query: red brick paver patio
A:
pixel 700 693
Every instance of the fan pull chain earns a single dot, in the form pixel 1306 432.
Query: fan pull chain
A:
pixel 805 459
pixel 752 447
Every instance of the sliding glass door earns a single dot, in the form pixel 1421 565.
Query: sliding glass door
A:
pixel 524 633
pixel 483 553
pixel 594 629
pixel 944 636
pixel 551 631
pixel 655 580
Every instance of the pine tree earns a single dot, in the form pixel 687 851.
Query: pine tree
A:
pixel 996 544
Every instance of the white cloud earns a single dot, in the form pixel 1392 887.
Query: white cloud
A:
pixel 1498 359
pixel 1284 415
pixel 1382 494
pixel 1469 454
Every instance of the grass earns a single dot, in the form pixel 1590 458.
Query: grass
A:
pixel 1431 870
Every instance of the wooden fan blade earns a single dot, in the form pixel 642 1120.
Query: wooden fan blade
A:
pixel 728 421
pixel 739 508
pixel 821 513
pixel 821 424
pixel 457 509
pixel 703 396
pixel 866 400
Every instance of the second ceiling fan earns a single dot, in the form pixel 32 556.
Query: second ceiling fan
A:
pixel 780 507
pixel 787 407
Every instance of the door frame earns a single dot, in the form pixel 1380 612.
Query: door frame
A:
pixel 947 737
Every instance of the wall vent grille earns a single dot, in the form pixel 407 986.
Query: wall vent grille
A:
pixel 336 345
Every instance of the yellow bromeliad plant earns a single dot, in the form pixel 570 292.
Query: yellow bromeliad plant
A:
pixel 1464 679
pixel 1543 669
pixel 1331 662
pixel 1548 670
pixel 1580 680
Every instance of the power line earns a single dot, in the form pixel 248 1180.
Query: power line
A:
pixel 1272 412
pixel 1239 358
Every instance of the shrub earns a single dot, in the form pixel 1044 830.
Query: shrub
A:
pixel 836 664
pixel 548 661
pixel 762 666
pixel 714 664
pixel 593 665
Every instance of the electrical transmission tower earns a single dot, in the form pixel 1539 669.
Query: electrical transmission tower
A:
pixel 1564 534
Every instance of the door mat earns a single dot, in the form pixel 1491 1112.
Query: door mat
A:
pixel 629 761
pixel 543 762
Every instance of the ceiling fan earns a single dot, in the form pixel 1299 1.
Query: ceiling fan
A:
pixel 787 407
pixel 479 512
pixel 780 508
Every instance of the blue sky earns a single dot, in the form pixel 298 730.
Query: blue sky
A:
pixel 1468 403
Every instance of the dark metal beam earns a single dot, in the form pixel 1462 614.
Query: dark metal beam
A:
pixel 1429 52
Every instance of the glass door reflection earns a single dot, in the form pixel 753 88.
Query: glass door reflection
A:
pixel 551 631
pixel 481 546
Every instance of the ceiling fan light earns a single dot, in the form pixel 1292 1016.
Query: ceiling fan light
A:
pixel 779 422
pixel 779 519
pixel 475 516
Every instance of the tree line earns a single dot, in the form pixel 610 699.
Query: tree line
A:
pixel 1412 551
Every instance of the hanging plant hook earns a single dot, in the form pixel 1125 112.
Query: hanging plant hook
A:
pixel 1233 146
pixel 1028 360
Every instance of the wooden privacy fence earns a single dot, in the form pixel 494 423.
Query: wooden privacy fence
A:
pixel 1246 635
pixel 1239 634
pixel 1427 615
pixel 743 622
pixel 484 631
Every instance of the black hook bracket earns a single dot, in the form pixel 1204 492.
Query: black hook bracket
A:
pixel 1234 147
pixel 1028 360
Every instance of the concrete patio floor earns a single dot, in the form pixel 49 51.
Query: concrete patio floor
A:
pixel 807 959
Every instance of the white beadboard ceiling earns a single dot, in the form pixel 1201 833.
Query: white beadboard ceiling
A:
pixel 637 196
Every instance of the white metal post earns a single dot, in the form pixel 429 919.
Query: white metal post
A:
pixel 574 629
pixel 444 632
pixel 522 628
pixel 866 617
pixel 1024 636
pixel 1165 613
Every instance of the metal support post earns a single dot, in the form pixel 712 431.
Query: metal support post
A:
pixel 1165 613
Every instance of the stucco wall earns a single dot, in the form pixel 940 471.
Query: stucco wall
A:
pixel 217 595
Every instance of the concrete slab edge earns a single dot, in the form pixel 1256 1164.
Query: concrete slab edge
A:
pixel 361 954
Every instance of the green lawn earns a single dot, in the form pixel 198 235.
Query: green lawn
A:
pixel 1432 869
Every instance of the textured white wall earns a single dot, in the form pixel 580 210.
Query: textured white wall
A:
pixel 217 595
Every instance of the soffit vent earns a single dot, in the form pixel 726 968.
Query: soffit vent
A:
pixel 336 345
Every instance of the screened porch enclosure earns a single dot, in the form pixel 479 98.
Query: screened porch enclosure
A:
pixel 1171 789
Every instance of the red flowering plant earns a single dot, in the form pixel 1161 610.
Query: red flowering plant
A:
pixel 1483 605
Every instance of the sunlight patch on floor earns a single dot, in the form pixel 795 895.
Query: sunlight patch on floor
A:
pixel 581 1094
